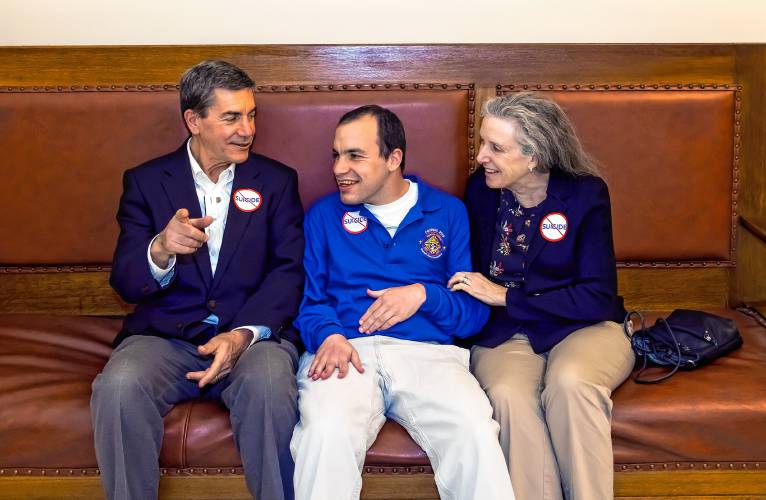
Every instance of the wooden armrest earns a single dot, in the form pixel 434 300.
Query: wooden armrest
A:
pixel 755 224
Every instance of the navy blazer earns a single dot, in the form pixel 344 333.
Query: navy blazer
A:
pixel 568 284
pixel 259 277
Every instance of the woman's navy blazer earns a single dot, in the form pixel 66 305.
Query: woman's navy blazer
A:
pixel 568 284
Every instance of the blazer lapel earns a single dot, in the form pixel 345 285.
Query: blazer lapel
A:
pixel 237 221
pixel 488 223
pixel 558 191
pixel 179 187
pixel 538 242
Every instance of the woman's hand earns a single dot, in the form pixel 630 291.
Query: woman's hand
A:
pixel 479 287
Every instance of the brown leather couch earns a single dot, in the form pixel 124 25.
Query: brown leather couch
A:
pixel 668 155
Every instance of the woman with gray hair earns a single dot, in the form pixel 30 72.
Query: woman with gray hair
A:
pixel 553 349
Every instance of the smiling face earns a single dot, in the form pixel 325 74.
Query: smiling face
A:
pixel 363 175
pixel 500 153
pixel 225 134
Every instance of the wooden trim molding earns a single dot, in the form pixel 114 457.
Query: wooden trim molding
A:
pixel 662 484
pixel 518 87
pixel 55 269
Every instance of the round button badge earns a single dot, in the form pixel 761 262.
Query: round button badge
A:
pixel 554 226
pixel 247 200
pixel 354 223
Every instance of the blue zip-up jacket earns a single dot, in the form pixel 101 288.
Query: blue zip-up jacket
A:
pixel 348 251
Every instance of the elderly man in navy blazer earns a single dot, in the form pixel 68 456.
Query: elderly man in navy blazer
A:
pixel 210 251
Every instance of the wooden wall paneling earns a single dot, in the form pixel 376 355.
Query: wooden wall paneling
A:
pixel 749 280
pixel 47 488
pixel 663 289
pixel 751 73
pixel 78 293
pixel 399 487
pixel 89 293
pixel 690 484
pixel 483 64
pixel 684 484
pixel 201 487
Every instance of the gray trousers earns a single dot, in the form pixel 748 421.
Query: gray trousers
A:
pixel 555 410
pixel 146 376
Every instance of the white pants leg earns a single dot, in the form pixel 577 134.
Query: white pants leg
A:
pixel 432 394
pixel 339 421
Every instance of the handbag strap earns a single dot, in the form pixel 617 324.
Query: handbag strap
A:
pixel 627 325
pixel 637 378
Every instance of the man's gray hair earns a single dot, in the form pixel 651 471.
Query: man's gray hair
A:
pixel 544 132
pixel 199 82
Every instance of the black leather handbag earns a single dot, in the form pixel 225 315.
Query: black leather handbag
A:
pixel 685 340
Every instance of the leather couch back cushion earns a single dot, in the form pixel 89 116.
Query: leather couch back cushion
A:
pixel 64 154
pixel 667 158
pixel 297 128
pixel 63 158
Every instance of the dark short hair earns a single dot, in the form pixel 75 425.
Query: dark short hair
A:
pixel 390 128
pixel 199 82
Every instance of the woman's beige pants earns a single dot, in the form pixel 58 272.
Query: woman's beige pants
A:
pixel 555 410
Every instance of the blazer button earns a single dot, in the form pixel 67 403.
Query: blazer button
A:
pixel 180 325
pixel 211 303
pixel 145 289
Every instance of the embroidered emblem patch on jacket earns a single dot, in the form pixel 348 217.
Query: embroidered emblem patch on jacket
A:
pixel 433 245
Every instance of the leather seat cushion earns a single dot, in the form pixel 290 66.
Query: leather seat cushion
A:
pixel 47 364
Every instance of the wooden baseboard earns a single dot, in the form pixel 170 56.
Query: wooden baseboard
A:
pixel 690 485
pixel 681 485
pixel 230 487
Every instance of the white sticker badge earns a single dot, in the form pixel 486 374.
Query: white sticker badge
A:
pixel 354 223
pixel 247 200
pixel 554 227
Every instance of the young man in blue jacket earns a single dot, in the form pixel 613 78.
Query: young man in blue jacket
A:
pixel 378 256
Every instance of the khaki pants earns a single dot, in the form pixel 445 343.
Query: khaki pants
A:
pixel 555 410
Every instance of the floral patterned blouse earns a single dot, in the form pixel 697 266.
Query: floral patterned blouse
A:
pixel 514 231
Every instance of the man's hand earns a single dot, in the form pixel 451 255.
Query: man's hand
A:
pixel 479 287
pixel 335 352
pixel 182 235
pixel 226 348
pixel 392 306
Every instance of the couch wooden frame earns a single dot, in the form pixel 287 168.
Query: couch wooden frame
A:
pixel 487 69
